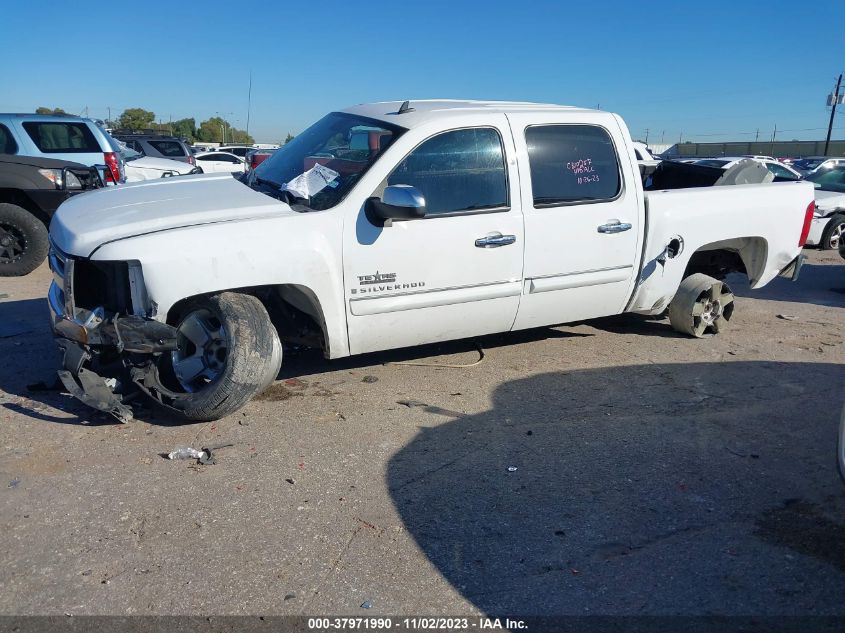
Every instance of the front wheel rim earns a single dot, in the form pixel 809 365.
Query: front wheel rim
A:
pixel 202 350
pixel 836 235
pixel 12 243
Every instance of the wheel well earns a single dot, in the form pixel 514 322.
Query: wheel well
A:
pixel 745 255
pixel 294 310
pixel 18 197
pixel 716 263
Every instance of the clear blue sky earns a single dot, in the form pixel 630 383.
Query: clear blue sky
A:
pixel 712 71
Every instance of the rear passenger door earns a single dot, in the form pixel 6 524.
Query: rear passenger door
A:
pixel 581 203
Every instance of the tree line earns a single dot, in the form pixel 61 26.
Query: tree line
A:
pixel 213 130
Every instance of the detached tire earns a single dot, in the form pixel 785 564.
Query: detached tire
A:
pixel 228 352
pixel 833 233
pixel 23 241
pixel 701 304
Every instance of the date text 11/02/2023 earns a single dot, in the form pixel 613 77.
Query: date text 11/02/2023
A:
pixel 414 624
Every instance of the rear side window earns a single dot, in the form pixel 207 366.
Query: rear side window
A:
pixel 7 143
pixel 62 137
pixel 572 163
pixel 461 170
pixel 168 148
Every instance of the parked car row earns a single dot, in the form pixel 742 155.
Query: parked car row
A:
pixel 826 173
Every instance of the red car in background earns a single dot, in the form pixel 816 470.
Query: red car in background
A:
pixel 258 156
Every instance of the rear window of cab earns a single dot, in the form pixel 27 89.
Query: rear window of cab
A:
pixel 62 137
pixel 168 148
pixel 572 164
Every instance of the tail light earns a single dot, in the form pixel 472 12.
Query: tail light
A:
pixel 192 160
pixel 808 220
pixel 253 162
pixel 113 171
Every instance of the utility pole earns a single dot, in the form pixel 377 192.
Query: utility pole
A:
pixel 248 102
pixel 646 136
pixel 832 113
pixel 171 125
pixel 774 135
pixel 109 107
pixel 662 135
pixel 757 136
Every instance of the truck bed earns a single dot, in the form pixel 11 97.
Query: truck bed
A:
pixel 750 220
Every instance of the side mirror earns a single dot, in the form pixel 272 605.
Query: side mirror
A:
pixel 398 202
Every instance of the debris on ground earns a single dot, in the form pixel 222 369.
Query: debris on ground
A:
pixel 412 403
pixel 290 596
pixel 290 480
pixel 203 456
pixel 366 605
pixel 186 453
pixel 429 408
pixel 512 469
pixel 787 317
pixel 14 483
pixel 369 379
pixel 276 392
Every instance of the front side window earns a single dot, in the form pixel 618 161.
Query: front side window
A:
pixel 7 143
pixel 168 148
pixel 829 180
pixel 62 138
pixel 334 142
pixel 571 164
pixel 461 170
pixel 781 172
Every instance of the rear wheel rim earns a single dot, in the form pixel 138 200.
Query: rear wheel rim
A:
pixel 713 305
pixel 202 350
pixel 12 243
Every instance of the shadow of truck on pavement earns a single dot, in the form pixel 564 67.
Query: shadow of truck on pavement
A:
pixel 639 490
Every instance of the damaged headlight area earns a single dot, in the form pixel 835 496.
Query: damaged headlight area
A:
pixel 108 340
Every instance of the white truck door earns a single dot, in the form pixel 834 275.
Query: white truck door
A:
pixel 455 273
pixel 582 202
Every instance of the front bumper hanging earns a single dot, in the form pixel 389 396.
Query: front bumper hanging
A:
pixel 81 340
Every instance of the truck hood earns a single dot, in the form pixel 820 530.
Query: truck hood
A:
pixel 828 201
pixel 89 220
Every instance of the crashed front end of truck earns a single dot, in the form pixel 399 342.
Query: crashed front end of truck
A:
pixel 110 346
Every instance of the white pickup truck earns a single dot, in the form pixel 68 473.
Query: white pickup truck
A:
pixel 389 225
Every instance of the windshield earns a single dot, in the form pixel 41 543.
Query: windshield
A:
pixel 346 144
pixel 126 153
pixel 712 162
pixel 808 163
pixel 829 180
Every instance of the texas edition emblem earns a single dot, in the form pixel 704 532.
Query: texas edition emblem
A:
pixel 380 282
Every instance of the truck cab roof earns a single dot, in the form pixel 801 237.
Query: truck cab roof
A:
pixel 423 111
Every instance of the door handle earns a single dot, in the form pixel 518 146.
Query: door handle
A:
pixel 495 240
pixel 615 226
